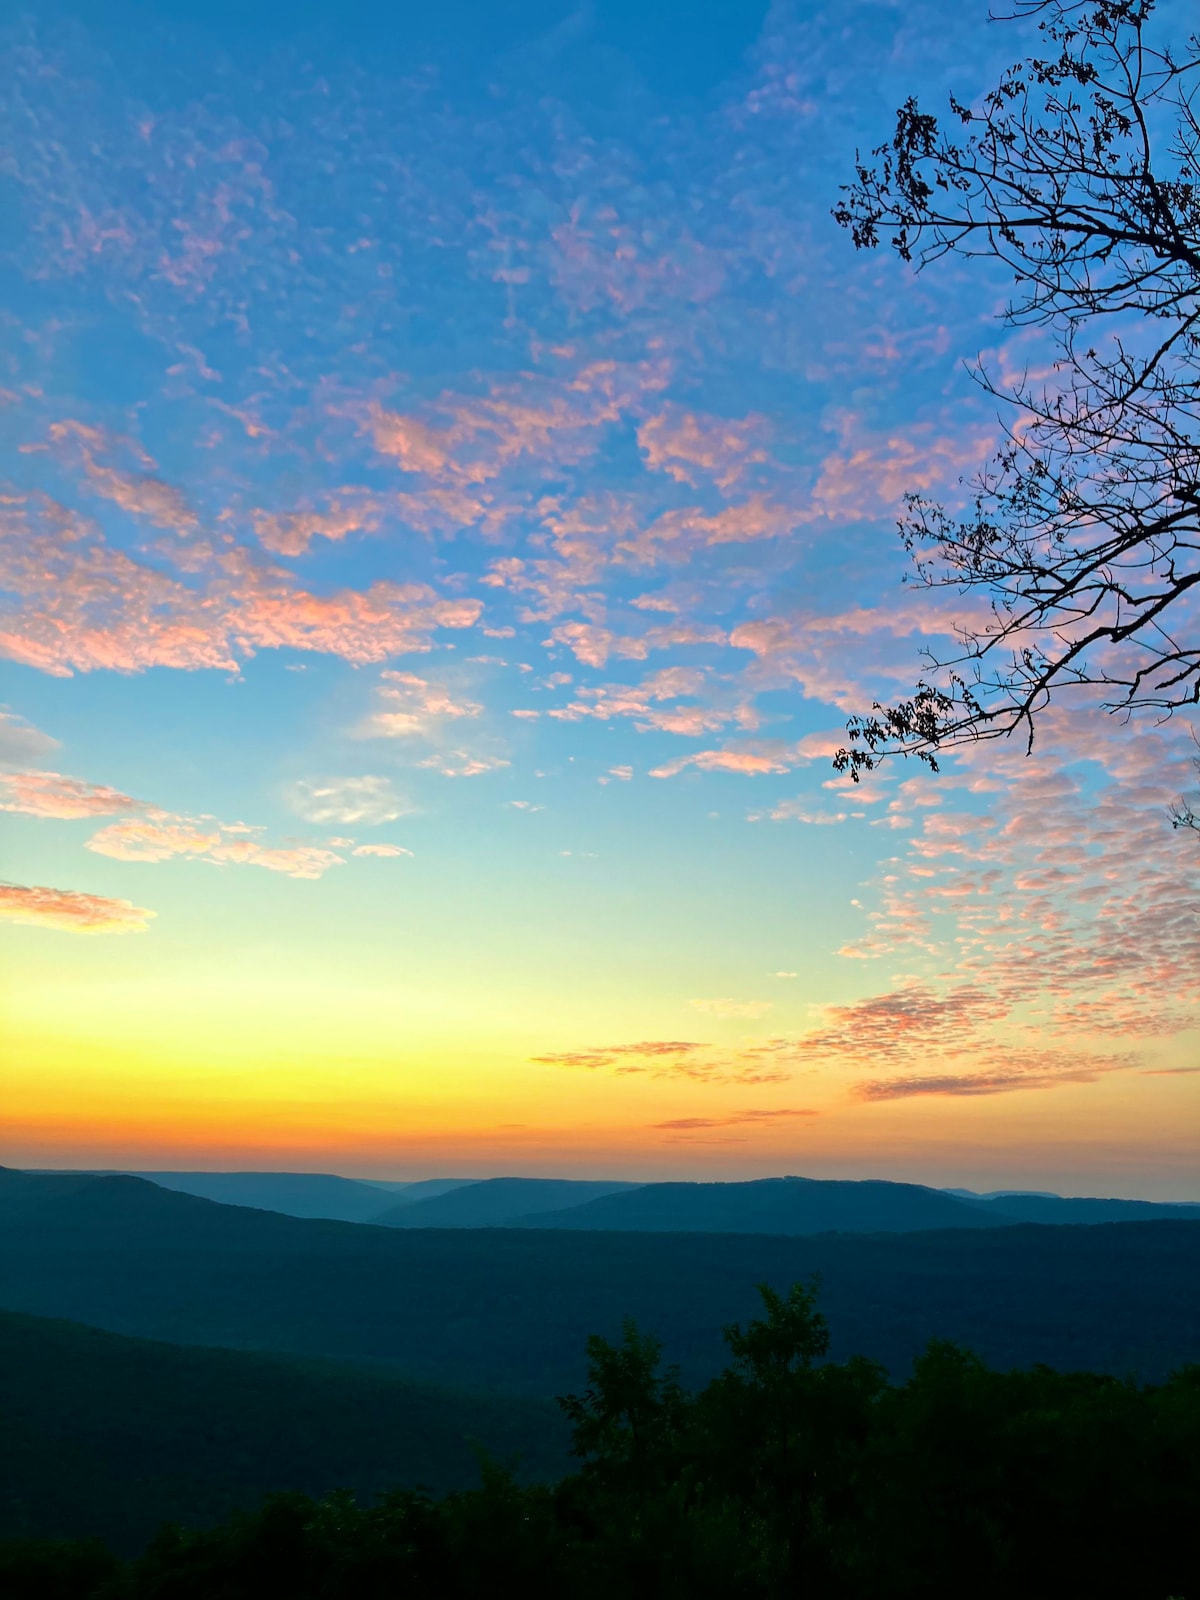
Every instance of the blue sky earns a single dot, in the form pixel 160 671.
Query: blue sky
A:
pixel 451 462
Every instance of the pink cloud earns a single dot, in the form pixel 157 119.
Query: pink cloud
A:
pixel 736 1118
pixel 414 706
pixel 643 704
pixel 163 836
pixel 673 1058
pixel 676 535
pixel 602 261
pixel 50 794
pixel 138 490
pixel 870 476
pixel 691 446
pixel 1003 1072
pixel 291 533
pixel 799 810
pixel 88 606
pixel 71 911
pixel 767 756
pixel 552 421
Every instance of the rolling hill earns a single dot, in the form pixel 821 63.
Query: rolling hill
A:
pixel 791 1205
pixel 511 1308
pixel 108 1436
pixel 771 1205
pixel 1057 1209
pixel 295 1194
pixel 495 1202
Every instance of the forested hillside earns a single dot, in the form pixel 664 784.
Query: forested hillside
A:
pixel 773 1205
pixel 109 1436
pixel 786 1475
pixel 511 1308
pixel 494 1202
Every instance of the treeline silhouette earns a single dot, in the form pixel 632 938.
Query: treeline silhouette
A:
pixel 786 1475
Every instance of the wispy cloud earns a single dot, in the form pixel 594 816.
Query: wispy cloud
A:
pixel 735 1119
pixel 131 483
pixel 50 794
pixel 88 606
pixel 693 447
pixel 463 763
pixel 673 1058
pixel 365 800
pixel 21 743
pixel 164 836
pixel 414 707
pixel 71 911
pixel 733 1008
pixel 291 533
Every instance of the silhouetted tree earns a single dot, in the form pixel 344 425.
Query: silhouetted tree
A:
pixel 1079 173
pixel 1184 814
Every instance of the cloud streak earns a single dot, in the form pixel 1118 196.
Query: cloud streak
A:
pixel 50 794
pixel 70 911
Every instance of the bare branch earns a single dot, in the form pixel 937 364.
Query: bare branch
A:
pixel 1080 171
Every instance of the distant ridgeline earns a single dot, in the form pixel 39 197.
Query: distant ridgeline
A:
pixel 786 1475
pixel 510 1308
pixel 766 1205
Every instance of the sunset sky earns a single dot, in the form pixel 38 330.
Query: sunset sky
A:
pixel 451 459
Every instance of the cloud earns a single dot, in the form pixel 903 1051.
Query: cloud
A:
pixel 870 475
pixel 22 743
pixel 593 645
pixel 733 1008
pixel 750 760
pixel 380 850
pixel 50 794
pixel 736 1118
pixel 645 704
pixel 71 911
pixel 607 1055
pixel 673 1058
pixel 137 489
pixel 366 800
pixel 346 512
pixel 691 446
pixel 462 763
pixel 677 535
pixel 414 706
pixel 163 836
pixel 88 606
pixel 1014 1071
pixel 913 1019
pixel 800 810
pixel 551 421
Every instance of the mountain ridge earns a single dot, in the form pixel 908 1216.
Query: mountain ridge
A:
pixel 511 1308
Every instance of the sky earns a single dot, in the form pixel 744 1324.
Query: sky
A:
pixel 450 468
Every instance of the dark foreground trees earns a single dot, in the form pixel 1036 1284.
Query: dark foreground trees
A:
pixel 1079 175
pixel 785 1477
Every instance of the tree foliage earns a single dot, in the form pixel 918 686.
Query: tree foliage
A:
pixel 1079 176
pixel 787 1476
